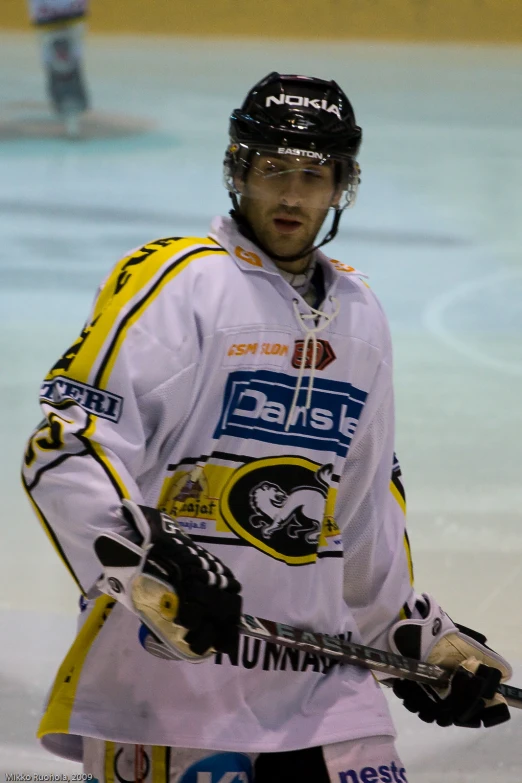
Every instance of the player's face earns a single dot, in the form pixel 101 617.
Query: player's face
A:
pixel 286 199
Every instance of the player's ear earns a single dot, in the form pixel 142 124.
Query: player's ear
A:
pixel 239 183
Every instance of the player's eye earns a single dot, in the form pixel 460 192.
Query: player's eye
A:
pixel 271 167
pixel 313 173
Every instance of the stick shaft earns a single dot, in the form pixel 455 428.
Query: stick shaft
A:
pixel 358 654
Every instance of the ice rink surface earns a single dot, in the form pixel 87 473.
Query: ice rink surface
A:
pixel 437 226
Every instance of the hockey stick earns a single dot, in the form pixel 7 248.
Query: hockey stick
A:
pixel 358 654
pixel 149 596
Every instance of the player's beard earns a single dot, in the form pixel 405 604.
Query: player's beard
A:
pixel 296 244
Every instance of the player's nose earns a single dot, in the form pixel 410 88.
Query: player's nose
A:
pixel 291 189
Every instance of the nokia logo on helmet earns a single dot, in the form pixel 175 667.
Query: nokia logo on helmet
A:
pixel 301 100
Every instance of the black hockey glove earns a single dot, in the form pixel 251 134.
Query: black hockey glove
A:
pixel 185 595
pixel 470 700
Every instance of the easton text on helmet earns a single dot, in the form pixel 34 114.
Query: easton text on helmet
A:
pixel 300 100
pixel 301 153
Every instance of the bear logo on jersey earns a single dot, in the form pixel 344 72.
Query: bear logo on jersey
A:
pixel 278 505
pixel 301 509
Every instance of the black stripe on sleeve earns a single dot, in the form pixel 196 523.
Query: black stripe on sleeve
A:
pixel 396 478
pixel 51 465
pixel 53 538
pixel 91 451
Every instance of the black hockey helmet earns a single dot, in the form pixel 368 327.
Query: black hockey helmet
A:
pixel 301 116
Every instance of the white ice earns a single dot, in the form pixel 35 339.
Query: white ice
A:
pixel 438 227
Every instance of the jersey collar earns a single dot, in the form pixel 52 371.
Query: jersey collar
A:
pixel 251 258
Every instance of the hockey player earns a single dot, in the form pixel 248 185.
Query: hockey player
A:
pixel 225 418
pixel 61 26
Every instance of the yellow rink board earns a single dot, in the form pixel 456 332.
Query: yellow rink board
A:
pixel 407 20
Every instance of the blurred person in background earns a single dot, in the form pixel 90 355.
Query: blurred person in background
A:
pixel 61 27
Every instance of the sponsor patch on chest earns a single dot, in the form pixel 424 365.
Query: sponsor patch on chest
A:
pixel 252 349
pixel 259 405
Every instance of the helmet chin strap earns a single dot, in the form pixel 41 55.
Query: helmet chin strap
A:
pixel 248 232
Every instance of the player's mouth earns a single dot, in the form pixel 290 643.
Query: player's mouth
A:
pixel 287 225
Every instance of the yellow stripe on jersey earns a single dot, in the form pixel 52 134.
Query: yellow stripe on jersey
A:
pixel 130 278
pixel 329 526
pixel 57 716
pixel 160 763
pixel 108 765
pixel 97 452
pixel 398 496
pixel 408 556
pixel 110 357
pixel 131 268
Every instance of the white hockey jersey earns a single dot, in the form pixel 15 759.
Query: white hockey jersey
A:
pixel 204 385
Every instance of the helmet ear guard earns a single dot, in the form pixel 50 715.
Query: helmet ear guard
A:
pixel 296 115
pixel 348 178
